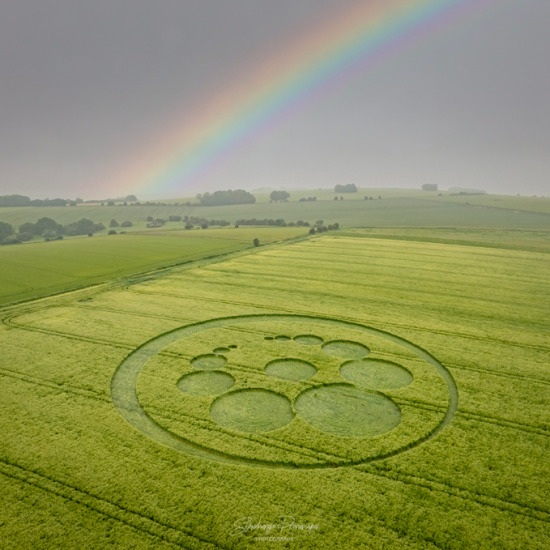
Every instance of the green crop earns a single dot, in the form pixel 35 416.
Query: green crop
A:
pixel 391 393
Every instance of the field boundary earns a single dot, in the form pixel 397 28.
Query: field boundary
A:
pixel 153 272
pixel 436 240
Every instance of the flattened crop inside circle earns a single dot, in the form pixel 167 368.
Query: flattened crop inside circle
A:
pixel 126 400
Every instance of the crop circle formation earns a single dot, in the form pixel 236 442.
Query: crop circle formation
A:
pixel 315 401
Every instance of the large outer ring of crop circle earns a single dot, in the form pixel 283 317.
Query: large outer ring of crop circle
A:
pixel 126 401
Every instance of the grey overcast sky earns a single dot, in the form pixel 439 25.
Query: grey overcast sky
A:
pixel 87 85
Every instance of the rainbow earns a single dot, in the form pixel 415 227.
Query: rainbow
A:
pixel 348 44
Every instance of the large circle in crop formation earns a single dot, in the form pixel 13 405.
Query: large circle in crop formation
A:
pixel 296 392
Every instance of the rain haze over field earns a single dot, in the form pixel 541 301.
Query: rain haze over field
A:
pixel 88 87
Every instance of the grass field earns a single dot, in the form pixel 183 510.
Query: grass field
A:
pixel 524 204
pixel 415 209
pixel 382 392
pixel 39 268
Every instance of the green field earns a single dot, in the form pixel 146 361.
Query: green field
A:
pixel 357 389
pixel 39 268
pixel 406 208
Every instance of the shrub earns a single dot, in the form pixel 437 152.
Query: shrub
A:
pixel 312 231
pixel 114 223
pixel 90 234
pixel 188 225
pixel 25 236
pixel 256 242
pixel 112 232
pixel 204 226
pixel 11 240
pixel 126 224
pixel 236 225
pixel 60 237
pixel 335 198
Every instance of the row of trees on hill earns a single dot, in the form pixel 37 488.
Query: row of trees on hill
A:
pixel 47 228
pixel 22 200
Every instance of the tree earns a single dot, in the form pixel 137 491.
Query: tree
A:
pixel 204 226
pixel 188 225
pixel 6 230
pixel 149 218
pixel 349 188
pixel 114 223
pixel 335 198
pixel 15 200
pixel 46 223
pixel 429 187
pixel 220 198
pixel 312 231
pixel 319 223
pixel 112 232
pixel 126 224
pixel 279 196
pixel 110 203
pixel 27 228
pixel 81 227
pixel 256 242
pixel 131 198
